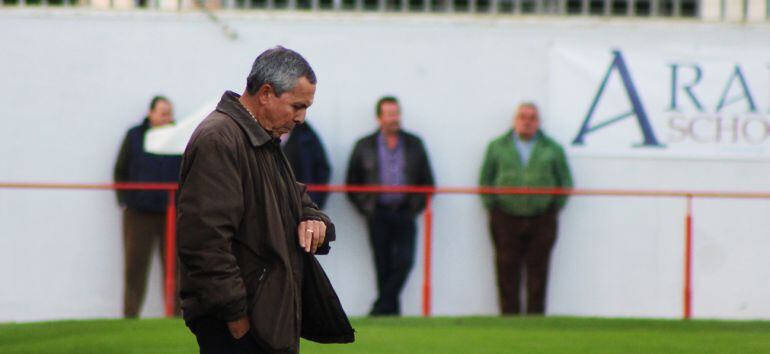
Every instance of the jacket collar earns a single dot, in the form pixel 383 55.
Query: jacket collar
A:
pixel 402 137
pixel 378 132
pixel 232 107
pixel 538 136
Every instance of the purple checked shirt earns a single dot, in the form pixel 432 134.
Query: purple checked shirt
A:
pixel 392 165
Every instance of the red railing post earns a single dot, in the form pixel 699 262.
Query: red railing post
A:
pixel 688 260
pixel 170 274
pixel 426 289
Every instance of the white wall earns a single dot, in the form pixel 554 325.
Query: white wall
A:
pixel 72 83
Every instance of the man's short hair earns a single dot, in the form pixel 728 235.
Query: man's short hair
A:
pixel 383 100
pixel 528 104
pixel 156 99
pixel 280 68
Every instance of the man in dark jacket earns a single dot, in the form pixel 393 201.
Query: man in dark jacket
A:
pixel 248 230
pixel 307 157
pixel 391 157
pixel 144 212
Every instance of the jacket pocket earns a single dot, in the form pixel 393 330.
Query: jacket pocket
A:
pixel 256 280
pixel 271 310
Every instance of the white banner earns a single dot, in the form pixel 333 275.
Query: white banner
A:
pixel 172 139
pixel 657 101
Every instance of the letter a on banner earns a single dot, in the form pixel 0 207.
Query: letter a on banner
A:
pixel 637 109
pixel 737 74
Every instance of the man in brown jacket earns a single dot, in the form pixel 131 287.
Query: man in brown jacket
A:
pixel 248 230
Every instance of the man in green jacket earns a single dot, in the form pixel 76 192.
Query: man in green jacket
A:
pixel 524 227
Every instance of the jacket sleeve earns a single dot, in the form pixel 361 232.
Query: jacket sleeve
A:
pixel 211 206
pixel 322 170
pixel 563 177
pixel 487 176
pixel 355 176
pixel 426 172
pixel 120 172
pixel 424 175
pixel 310 211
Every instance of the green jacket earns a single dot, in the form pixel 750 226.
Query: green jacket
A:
pixel 547 168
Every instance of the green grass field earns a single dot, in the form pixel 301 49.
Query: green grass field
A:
pixel 466 335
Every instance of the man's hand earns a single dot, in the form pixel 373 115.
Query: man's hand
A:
pixel 312 234
pixel 239 328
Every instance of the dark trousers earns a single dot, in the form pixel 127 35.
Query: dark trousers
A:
pixel 392 235
pixel 214 337
pixel 522 243
pixel 142 231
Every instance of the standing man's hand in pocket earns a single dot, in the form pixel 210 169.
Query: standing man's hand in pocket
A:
pixel 239 327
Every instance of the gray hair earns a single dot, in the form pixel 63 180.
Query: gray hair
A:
pixel 528 104
pixel 280 68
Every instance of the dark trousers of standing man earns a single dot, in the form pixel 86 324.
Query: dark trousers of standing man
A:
pixel 141 232
pixel 392 233
pixel 523 243
pixel 214 337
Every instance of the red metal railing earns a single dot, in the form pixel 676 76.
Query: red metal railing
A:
pixel 169 279
pixel 171 188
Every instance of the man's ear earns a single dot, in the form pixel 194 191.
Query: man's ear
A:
pixel 264 93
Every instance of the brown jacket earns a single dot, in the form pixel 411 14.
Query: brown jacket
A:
pixel 239 208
